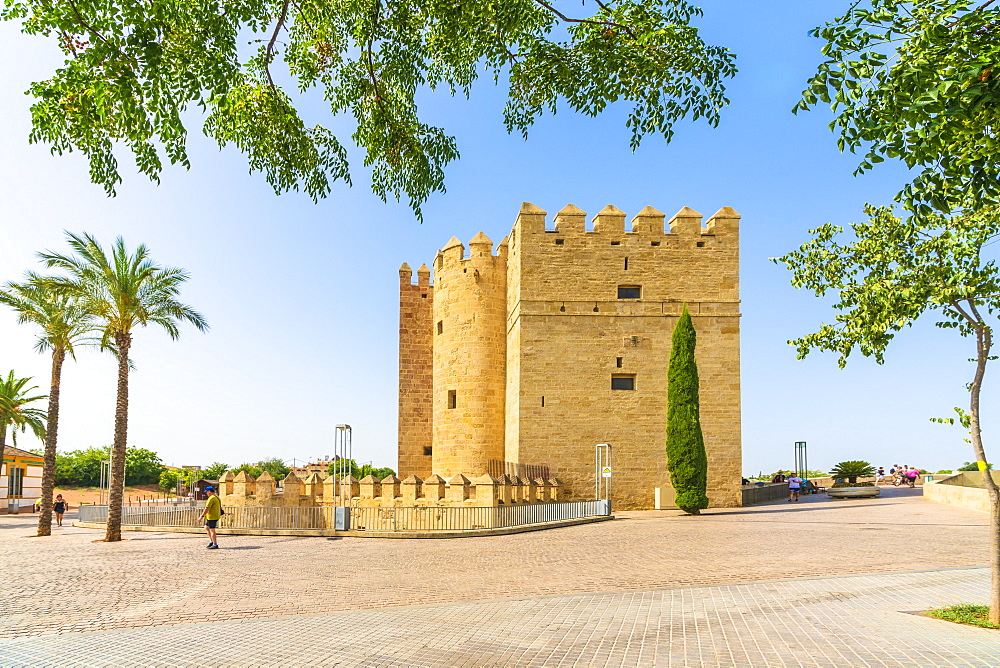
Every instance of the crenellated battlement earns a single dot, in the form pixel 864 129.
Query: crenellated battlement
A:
pixel 480 252
pixel 610 222
pixel 244 491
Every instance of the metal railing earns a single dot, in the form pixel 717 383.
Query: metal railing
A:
pixel 428 518
pixel 498 467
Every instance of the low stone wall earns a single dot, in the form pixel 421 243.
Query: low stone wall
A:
pixel 964 490
pixel 244 491
pixel 761 493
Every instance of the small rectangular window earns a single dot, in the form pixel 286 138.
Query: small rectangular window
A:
pixel 618 362
pixel 623 382
pixel 428 451
pixel 559 242
pixel 616 243
pixel 626 264
pixel 701 244
pixel 654 243
pixel 452 399
pixel 543 402
pixel 424 295
pixel 440 326
pixel 629 291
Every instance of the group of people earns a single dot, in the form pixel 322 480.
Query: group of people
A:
pixel 900 475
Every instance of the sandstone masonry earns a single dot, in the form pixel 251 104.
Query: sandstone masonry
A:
pixel 528 355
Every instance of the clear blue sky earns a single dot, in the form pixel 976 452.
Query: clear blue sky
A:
pixel 302 298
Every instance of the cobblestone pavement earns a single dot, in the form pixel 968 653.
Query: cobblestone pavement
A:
pixel 647 570
pixel 837 622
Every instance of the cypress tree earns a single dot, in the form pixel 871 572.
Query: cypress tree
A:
pixel 686 458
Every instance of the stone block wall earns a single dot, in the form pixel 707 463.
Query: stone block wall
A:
pixel 244 491
pixel 532 337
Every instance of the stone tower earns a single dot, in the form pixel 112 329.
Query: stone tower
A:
pixel 469 316
pixel 561 341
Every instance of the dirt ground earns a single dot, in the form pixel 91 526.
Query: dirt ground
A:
pixel 89 495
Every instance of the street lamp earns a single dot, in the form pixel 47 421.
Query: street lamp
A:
pixel 801 466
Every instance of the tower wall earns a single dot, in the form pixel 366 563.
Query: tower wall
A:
pixel 570 331
pixel 416 361
pixel 469 338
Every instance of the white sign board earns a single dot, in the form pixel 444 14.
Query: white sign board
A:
pixel 606 472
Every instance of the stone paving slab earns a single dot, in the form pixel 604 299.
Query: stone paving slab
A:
pixel 806 622
pixel 67 583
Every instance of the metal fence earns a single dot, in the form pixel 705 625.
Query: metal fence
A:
pixel 762 493
pixel 498 467
pixel 430 518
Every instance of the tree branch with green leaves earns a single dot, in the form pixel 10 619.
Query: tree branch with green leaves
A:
pixel 917 80
pixel 892 272
pixel 134 72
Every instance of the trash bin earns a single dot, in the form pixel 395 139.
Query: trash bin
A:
pixel 928 478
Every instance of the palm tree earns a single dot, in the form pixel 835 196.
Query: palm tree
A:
pixel 14 394
pixel 852 470
pixel 122 292
pixel 63 324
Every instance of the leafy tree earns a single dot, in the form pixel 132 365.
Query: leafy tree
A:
pixel 130 77
pixel 168 480
pixel 972 466
pixel 852 470
pixel 142 467
pixel 122 292
pixel 379 472
pixel 251 469
pixel 215 471
pixel 889 275
pixel 917 80
pixel 62 324
pixel 686 458
pixel 81 467
pixel 14 413
pixel 191 476
pixel 359 471
pixel 275 467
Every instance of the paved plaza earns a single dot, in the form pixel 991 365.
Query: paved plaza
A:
pixel 817 583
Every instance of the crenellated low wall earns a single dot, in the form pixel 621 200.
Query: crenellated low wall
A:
pixel 244 491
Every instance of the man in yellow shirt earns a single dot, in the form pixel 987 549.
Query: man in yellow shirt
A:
pixel 211 515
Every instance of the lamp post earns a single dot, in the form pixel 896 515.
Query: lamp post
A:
pixel 342 453
pixel 801 462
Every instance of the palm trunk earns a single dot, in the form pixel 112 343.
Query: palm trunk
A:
pixel 984 342
pixel 51 430
pixel 123 341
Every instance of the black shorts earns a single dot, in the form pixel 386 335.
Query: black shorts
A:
pixel 796 490
pixel 211 524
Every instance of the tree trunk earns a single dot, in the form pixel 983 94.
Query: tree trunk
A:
pixel 984 342
pixel 51 431
pixel 123 341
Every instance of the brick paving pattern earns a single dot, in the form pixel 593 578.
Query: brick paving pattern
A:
pixel 652 588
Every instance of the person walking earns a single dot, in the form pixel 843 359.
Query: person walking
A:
pixel 59 508
pixel 211 515
pixel 911 476
pixel 794 487
pixel 880 476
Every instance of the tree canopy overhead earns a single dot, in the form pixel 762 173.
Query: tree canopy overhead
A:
pixel 133 69
pixel 917 80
